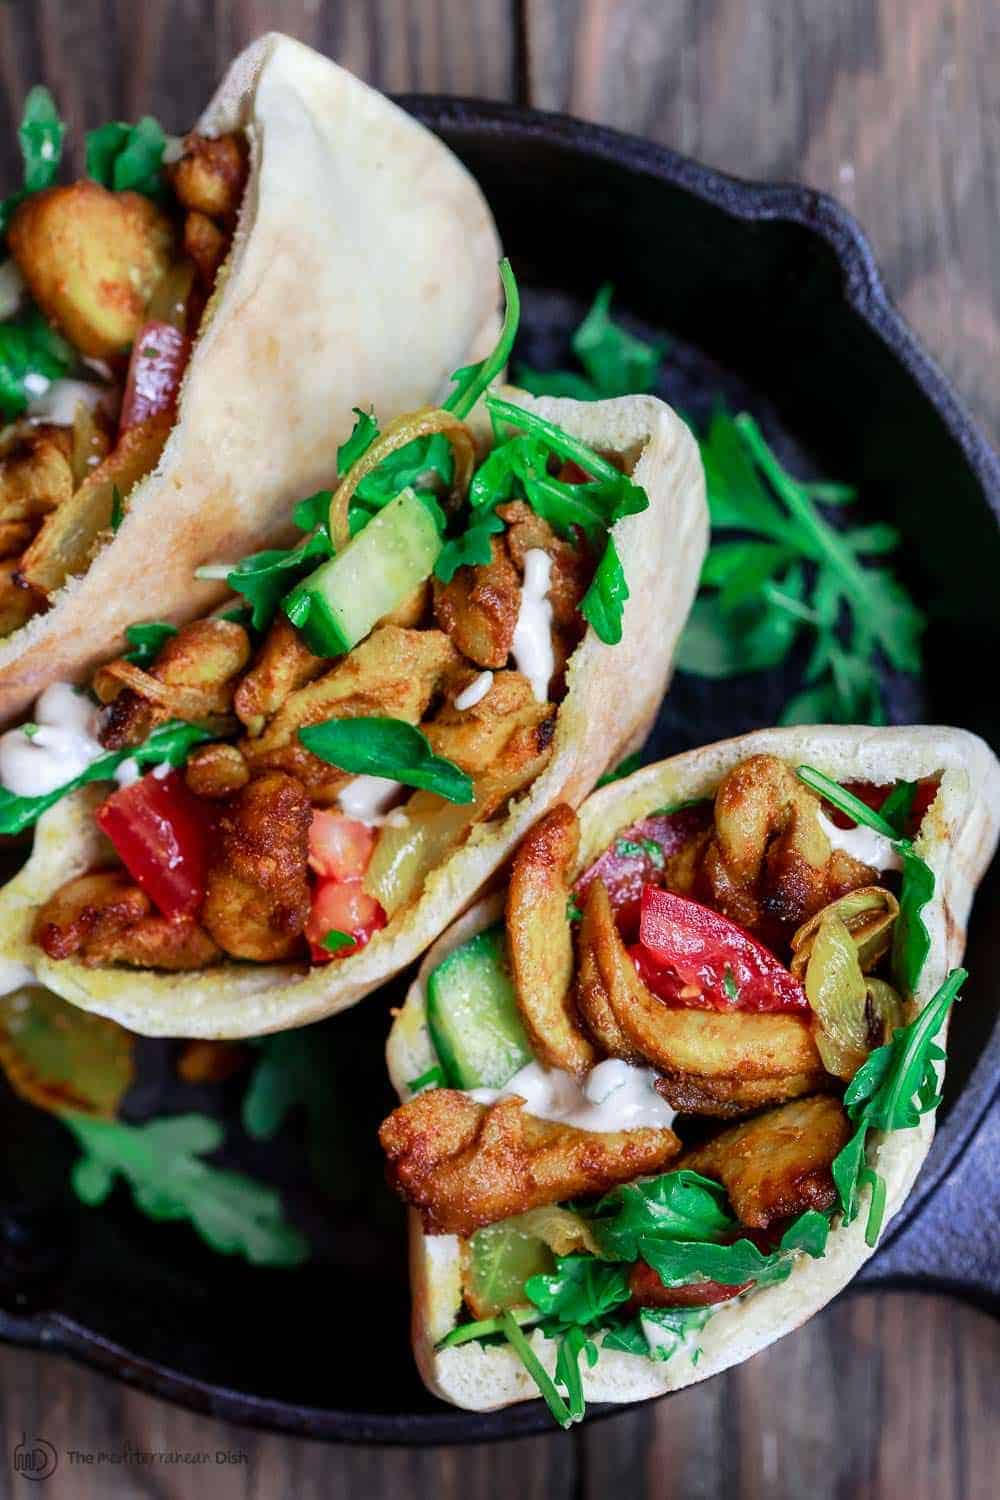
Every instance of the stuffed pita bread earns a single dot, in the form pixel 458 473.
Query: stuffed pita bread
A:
pixel 372 754
pixel 795 1139
pixel 346 258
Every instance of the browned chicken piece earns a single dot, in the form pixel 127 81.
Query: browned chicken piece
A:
pixel 394 673
pixel 258 898
pixel 211 175
pixel 103 918
pixel 768 865
pixel 731 1098
pixel 572 567
pixel 479 607
pixel 603 965
pixel 540 942
pixel 777 1164
pixel 17 604
pixel 284 664
pixel 477 738
pixel 216 771
pixel 36 475
pixel 193 678
pixel 465 1165
pixel 206 244
pixel 91 259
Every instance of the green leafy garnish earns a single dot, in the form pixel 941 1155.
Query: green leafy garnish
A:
pixel 911 941
pixel 730 986
pixel 890 1091
pixel 622 769
pixel 674 1326
pixel 127 157
pixel 898 806
pixel 29 347
pixel 641 848
pixel 573 912
pixel 299 1071
pixel 433 1079
pixel 604 602
pixel 485 1328
pixel 40 136
pixel 170 742
pixel 615 361
pixel 390 748
pixel 117 508
pixel 762 601
pixel 162 1163
pixel 471 548
pixel 472 380
pixel 335 940
pixel 147 640
pixel 264 577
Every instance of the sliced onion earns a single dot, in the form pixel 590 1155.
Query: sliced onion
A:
pixel 403 430
pixel 836 990
pixel 869 915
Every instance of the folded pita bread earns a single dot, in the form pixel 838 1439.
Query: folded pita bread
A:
pixel 957 839
pixel 363 271
pixel 612 696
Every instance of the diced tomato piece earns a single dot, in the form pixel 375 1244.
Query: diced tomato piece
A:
pixel 648 1290
pixel 342 906
pixel 163 836
pixel 159 358
pixel 339 848
pixel 636 858
pixel 694 956
pixel 571 473
pixel 874 796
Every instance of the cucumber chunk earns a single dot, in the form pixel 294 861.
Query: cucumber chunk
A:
pixel 472 1015
pixel 336 606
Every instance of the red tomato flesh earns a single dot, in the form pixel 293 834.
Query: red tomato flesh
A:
pixel 873 796
pixel 159 358
pixel 339 848
pixel 162 834
pixel 648 1290
pixel 693 956
pixel 342 906
pixel 636 859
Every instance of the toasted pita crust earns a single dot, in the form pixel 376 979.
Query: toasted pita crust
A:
pixel 957 840
pixel 661 551
pixel 363 271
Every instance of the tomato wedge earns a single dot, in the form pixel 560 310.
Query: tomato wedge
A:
pixel 159 358
pixel 163 835
pixel 342 906
pixel 690 955
pixel 637 858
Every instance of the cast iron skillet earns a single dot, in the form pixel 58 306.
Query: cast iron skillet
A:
pixel 772 300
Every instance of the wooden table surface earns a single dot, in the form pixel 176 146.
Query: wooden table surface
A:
pixel 894 106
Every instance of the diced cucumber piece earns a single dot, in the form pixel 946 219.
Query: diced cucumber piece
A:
pixel 472 1015
pixel 336 606
pixel 498 1261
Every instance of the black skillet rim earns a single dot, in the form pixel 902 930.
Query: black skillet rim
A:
pixel 865 293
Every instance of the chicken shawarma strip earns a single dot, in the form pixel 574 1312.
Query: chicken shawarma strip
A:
pixel 103 918
pixel 465 1165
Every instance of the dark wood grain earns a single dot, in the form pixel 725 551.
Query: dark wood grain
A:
pixel 879 1396
pixel 889 104
pixel 893 106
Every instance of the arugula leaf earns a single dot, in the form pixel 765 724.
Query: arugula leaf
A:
pixel 126 157
pixel 604 602
pixel 911 941
pixel 147 639
pixel 485 1328
pixel 573 912
pixel 536 1370
pixel 674 1327
pixel 682 1204
pixel 170 742
pixel 616 362
pixel 387 747
pixel 856 612
pixel 314 512
pixel 29 347
pixel 470 549
pixel 298 1071
pixel 581 1289
pixel 890 1091
pixel 117 508
pixel 622 769
pixel 264 577
pixel 472 380
pixel 161 1162
pixel 40 137
pixel 898 806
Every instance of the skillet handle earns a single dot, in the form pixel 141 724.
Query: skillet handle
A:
pixel 952 1241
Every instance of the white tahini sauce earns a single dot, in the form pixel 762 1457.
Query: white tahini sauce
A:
pixel 615 1095
pixel 862 843
pixel 475 692
pixel 64 744
pixel 532 644
pixel 14 976
pixel 57 400
pixel 129 772
pixel 369 798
